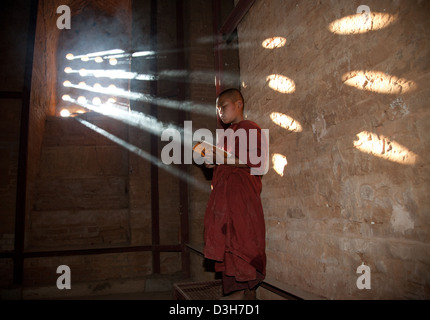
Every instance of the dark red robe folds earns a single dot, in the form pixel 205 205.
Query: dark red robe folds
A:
pixel 234 220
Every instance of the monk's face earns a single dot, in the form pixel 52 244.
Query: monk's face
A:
pixel 229 111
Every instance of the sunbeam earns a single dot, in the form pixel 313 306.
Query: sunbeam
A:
pixel 112 74
pixel 286 122
pixel 145 155
pixel 274 43
pixel 189 106
pixel 379 82
pixel 70 56
pixel 130 117
pixel 143 54
pixel 362 23
pixel 108 55
pixel 281 83
pixel 279 163
pixel 384 148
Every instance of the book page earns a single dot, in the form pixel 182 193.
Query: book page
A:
pixel 206 150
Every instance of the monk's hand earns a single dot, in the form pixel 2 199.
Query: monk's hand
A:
pixel 210 159
pixel 210 162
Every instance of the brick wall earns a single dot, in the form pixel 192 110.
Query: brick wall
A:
pixel 81 194
pixel 355 186
pixel 14 24
pixel 79 187
pixel 90 192
pixel 87 269
pixel 9 145
pixel 202 91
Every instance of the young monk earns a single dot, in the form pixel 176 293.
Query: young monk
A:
pixel 234 220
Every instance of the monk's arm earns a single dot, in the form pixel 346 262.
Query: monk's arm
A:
pixel 237 163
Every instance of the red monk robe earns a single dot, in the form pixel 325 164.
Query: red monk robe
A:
pixel 234 219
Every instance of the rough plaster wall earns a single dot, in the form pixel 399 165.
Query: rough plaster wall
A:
pixel 335 206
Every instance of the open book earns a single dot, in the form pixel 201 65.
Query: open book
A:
pixel 206 150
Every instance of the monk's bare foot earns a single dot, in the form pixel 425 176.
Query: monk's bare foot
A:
pixel 250 294
pixel 247 294
pixel 237 295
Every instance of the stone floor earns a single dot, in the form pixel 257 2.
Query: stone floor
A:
pixel 151 287
pixel 160 295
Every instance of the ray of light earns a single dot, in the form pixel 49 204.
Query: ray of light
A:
pixel 112 74
pixel 109 54
pixel 384 148
pixel 145 155
pixel 142 54
pixel 274 42
pixel 133 118
pixel 279 162
pixel 70 56
pixel 65 113
pixel 188 106
pixel 379 82
pixel 193 76
pixel 281 83
pixel 286 122
pixel 362 23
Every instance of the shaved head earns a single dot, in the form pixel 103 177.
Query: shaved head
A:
pixel 232 94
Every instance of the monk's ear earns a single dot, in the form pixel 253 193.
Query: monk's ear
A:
pixel 239 104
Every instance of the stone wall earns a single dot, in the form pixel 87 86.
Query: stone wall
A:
pixel 346 103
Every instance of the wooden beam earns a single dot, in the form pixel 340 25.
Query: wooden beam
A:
pixel 182 116
pixel 218 42
pixel 284 290
pixel 235 17
pixel 155 197
pixel 11 95
pixel 21 190
pixel 81 252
